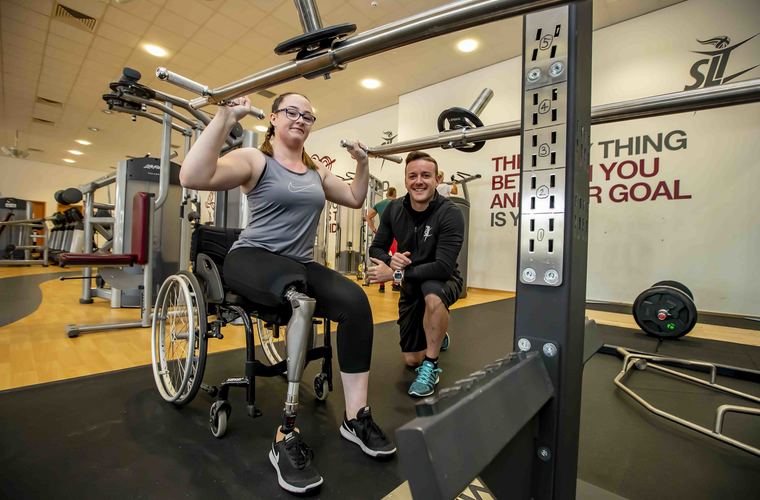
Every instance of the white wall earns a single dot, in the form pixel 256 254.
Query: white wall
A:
pixel 706 236
pixel 38 181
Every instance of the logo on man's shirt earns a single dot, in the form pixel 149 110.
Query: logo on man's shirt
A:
pixel 298 189
pixel 426 234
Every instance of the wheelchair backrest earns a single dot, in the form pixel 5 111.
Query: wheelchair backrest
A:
pixel 214 242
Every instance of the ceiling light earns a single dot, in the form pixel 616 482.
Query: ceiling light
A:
pixel 69 160
pixel 83 142
pixel 93 129
pixel 467 45
pixel 371 83
pixel 155 50
pixel 75 152
pixel 260 128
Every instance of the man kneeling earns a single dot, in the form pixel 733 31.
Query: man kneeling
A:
pixel 429 230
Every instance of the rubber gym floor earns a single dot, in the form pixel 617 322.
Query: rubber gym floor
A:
pixel 111 435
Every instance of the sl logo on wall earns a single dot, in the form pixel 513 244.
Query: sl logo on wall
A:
pixel 716 63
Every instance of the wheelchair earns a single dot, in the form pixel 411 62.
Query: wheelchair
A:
pixel 192 307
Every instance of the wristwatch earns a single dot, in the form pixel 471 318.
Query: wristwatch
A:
pixel 398 276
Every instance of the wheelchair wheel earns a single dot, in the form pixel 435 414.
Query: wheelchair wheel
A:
pixel 218 418
pixel 274 348
pixel 179 338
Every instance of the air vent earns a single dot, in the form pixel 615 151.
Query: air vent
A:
pixel 266 94
pixel 49 102
pixel 74 18
pixel 42 121
pixel 36 150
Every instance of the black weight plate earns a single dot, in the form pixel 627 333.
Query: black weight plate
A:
pixel 675 284
pixel 321 39
pixel 680 308
pixel 458 118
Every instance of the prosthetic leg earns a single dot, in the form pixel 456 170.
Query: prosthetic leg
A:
pixel 298 331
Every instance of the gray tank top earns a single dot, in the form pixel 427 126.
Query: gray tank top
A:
pixel 284 212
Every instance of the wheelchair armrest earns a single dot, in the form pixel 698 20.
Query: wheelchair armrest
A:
pixel 206 269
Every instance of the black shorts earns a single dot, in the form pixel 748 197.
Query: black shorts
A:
pixel 411 308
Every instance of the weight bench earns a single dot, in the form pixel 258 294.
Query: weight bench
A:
pixel 111 266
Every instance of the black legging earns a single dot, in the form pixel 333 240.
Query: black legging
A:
pixel 262 277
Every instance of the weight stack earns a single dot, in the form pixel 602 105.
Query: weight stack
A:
pixel 464 207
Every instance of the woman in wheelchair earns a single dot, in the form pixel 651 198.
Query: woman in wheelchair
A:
pixel 272 263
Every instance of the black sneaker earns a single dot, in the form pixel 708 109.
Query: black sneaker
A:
pixel 363 431
pixel 291 458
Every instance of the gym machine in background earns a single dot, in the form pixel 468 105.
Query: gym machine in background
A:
pixel 375 194
pixel 21 235
pixel 463 203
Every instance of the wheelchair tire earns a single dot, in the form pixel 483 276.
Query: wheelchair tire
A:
pixel 178 338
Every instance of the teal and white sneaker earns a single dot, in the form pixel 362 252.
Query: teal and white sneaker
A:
pixel 427 378
pixel 445 342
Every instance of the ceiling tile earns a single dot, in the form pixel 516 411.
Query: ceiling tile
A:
pixel 270 5
pixel 51 63
pixel 125 21
pixel 170 41
pixel 190 9
pixel 11 27
pixel 63 55
pixel 66 45
pixel 243 11
pixel 167 20
pixel 212 41
pixel 226 27
pixel 239 53
pixel 46 112
pixel 288 15
pixel 41 6
pixel 115 34
pixel 256 42
pixel 66 30
pixel 26 16
pixel 271 32
pixel 187 61
pixel 17 48
pixel 143 10
pixel 118 49
pixel 203 54
pixel 104 57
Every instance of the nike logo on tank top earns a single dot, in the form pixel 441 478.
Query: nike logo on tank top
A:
pixel 284 212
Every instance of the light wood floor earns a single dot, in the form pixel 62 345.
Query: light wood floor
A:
pixel 35 349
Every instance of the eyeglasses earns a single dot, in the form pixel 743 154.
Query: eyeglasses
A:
pixel 292 113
